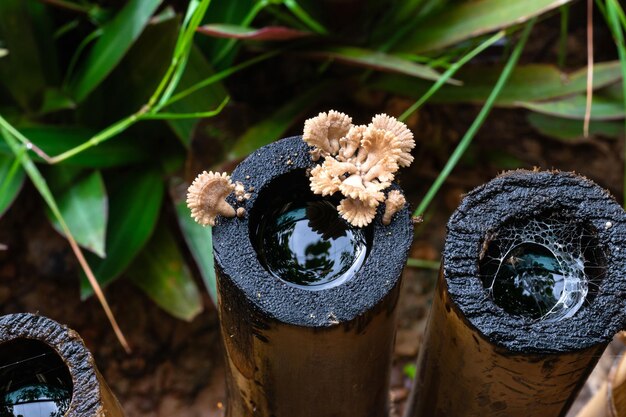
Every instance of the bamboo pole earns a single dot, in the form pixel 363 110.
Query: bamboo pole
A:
pixel 304 352
pixel 27 337
pixel 480 357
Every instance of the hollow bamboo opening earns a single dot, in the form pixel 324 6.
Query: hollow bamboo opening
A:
pixel 46 370
pixel 299 345
pixel 519 336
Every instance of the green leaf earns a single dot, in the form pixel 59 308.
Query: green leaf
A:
pixel 527 83
pixel 55 100
pixel 207 98
pixel 134 206
pixel 275 125
pixel 83 203
pixel 160 271
pixel 11 180
pixel 379 61
pixel 117 37
pixel 572 130
pixel 574 107
pixel 459 21
pixel 54 140
pixel 22 70
pixel 268 33
pixel 200 242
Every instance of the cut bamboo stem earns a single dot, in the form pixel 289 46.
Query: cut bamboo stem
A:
pixel 90 396
pixel 477 359
pixel 304 352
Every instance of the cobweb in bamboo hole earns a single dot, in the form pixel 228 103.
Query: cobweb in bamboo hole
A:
pixel 544 268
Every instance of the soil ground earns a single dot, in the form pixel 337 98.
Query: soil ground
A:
pixel 176 367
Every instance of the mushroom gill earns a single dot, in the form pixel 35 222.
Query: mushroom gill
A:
pixel 206 197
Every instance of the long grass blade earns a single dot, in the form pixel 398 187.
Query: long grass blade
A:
pixel 40 183
pixel 484 112
pixel 450 72
pixel 589 68
pixel 614 15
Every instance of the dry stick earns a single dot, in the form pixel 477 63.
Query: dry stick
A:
pixel 589 67
pixel 96 288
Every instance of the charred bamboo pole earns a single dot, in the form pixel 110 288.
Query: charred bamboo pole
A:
pixel 530 292
pixel 312 337
pixel 46 370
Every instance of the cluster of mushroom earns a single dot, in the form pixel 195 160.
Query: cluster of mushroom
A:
pixel 206 197
pixel 359 162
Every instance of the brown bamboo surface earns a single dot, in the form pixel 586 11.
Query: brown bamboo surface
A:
pixel 280 370
pixel 460 373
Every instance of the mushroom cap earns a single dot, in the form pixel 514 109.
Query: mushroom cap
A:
pixel 402 133
pixel 369 192
pixel 206 197
pixel 356 212
pixel 350 143
pixel 322 182
pixel 324 131
pixel 395 201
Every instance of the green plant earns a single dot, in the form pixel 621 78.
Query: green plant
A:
pixel 102 106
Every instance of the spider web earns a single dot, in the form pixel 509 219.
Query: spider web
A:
pixel 566 263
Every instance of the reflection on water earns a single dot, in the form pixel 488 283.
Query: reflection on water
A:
pixel 34 381
pixel 307 244
pixel 529 281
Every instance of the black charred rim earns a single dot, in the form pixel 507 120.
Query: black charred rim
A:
pixel 70 348
pixel 512 198
pixel 237 261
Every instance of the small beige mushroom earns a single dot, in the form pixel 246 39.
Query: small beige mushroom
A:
pixel 350 143
pixel 356 212
pixel 395 201
pixel 402 133
pixel 369 192
pixel 324 131
pixel 322 182
pixel 379 144
pixel 206 197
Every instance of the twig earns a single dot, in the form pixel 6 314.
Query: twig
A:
pixel 589 67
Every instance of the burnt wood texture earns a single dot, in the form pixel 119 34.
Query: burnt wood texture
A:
pixel 479 360
pixel 298 352
pixel 91 396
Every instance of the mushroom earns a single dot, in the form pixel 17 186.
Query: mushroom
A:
pixel 324 131
pixel 356 212
pixel 402 133
pixel 206 197
pixel 395 201
pixel 359 161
